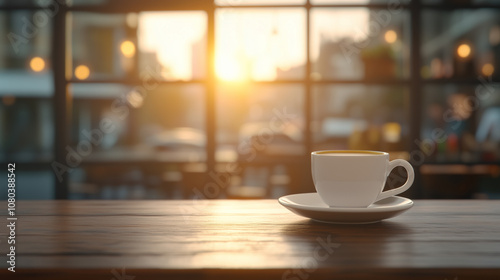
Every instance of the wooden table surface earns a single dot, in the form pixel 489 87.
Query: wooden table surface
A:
pixel 251 239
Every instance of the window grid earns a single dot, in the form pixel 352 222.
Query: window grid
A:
pixel 211 82
pixel 60 64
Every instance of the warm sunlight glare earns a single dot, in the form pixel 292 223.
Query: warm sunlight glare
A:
pixel 175 40
pixel 264 68
pixel 37 64
pixel 390 36
pixel 349 23
pixel 229 70
pixel 463 50
pixel 256 44
pixel 127 48
pixel 488 69
pixel 259 44
pixel 82 72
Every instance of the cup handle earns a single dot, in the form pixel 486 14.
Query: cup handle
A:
pixel 411 176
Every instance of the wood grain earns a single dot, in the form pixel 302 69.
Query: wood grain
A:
pixel 228 239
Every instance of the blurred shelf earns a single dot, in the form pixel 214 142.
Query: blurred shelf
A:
pixel 143 155
pixel 27 159
pixel 136 81
pixel 133 81
pixel 451 7
pixel 379 81
pixel 461 81
pixel 460 169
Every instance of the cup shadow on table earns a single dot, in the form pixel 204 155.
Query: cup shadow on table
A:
pixel 376 244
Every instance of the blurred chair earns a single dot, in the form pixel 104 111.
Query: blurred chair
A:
pixel 265 165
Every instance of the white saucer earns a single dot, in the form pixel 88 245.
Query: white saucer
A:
pixel 311 206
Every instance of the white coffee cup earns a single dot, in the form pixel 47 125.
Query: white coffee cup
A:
pixel 346 178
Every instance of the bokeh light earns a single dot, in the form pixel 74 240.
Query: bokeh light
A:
pixel 488 69
pixel 127 48
pixel 229 70
pixel 37 64
pixel 82 72
pixel 463 50
pixel 390 36
pixel 392 132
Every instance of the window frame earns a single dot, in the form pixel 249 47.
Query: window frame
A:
pixel 61 67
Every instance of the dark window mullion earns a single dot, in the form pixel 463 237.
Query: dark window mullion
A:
pixel 415 89
pixel 308 102
pixel 210 97
pixel 61 102
pixel 308 90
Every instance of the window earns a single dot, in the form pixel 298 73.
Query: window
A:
pixel 149 100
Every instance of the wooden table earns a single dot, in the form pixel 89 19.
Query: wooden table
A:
pixel 252 239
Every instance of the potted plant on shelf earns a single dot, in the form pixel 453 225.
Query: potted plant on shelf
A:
pixel 379 62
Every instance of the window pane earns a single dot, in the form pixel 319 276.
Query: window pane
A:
pixel 360 117
pixel 272 115
pixel 26 129
pixel 258 2
pixel 153 118
pixel 97 46
pixel 260 44
pixel 26 41
pixel 175 42
pixel 357 43
pixel 460 43
pixel 461 123
pixel 134 143
pixel 171 45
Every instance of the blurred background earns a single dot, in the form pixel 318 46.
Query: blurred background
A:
pixel 108 99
